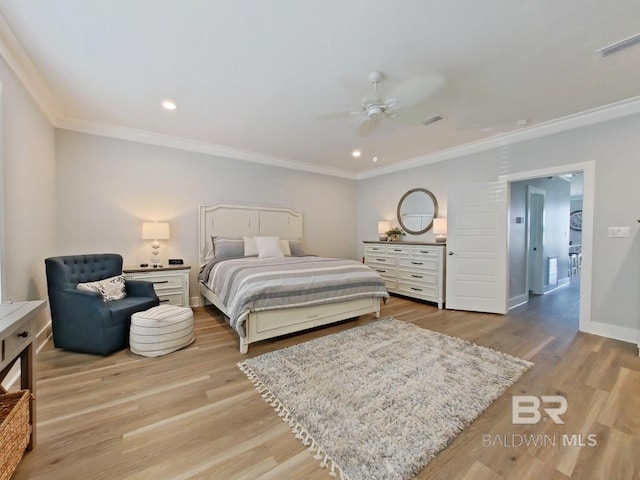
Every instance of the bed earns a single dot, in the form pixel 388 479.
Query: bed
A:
pixel 260 321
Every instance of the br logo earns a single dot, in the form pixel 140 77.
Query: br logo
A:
pixel 526 408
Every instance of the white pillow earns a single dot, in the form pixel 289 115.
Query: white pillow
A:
pixel 286 249
pixel 250 247
pixel 269 247
pixel 112 288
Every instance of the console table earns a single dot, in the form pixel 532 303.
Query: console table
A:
pixel 17 335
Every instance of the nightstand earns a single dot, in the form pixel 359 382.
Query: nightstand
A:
pixel 171 282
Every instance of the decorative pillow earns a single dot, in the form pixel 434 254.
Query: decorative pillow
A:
pixel 286 249
pixel 110 288
pixel 269 247
pixel 225 247
pixel 250 247
pixel 296 248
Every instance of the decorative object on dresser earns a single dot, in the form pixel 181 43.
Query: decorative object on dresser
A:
pixel 381 400
pixel 395 234
pixel 440 229
pixel 155 231
pixel 383 227
pixel 416 210
pixel 171 283
pixel 413 269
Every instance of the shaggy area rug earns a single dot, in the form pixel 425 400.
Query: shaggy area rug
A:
pixel 381 400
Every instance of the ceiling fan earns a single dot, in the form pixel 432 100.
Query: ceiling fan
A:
pixel 395 104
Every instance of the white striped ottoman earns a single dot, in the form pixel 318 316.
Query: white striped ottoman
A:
pixel 161 330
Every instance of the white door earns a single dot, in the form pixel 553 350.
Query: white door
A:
pixel 477 247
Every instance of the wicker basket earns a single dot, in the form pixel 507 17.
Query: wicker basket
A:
pixel 14 430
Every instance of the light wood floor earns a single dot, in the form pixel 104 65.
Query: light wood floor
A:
pixel 193 414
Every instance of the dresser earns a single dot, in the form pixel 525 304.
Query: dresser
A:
pixel 412 269
pixel 171 282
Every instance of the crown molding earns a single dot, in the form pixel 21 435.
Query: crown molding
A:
pixel 605 113
pixel 25 70
pixel 151 138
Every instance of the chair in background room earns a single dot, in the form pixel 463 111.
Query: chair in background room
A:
pixel 86 319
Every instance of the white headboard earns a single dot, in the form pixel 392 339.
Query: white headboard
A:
pixel 236 220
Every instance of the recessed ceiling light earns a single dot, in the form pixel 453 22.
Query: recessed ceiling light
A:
pixel 169 105
pixel 375 159
pixel 356 153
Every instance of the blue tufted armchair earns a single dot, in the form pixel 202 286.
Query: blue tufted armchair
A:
pixel 82 321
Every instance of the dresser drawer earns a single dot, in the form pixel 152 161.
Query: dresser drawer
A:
pixel 421 278
pixel 161 281
pixel 19 338
pixel 418 263
pixel 398 250
pixel 419 291
pixel 374 249
pixel 173 298
pixel 425 252
pixel 382 261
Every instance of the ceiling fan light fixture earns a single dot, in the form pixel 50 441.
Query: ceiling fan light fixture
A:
pixel 356 154
pixel 169 105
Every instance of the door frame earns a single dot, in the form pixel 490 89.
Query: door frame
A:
pixel 589 172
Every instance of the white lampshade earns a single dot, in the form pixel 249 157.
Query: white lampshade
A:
pixel 440 229
pixel 155 231
pixel 383 227
pixel 440 226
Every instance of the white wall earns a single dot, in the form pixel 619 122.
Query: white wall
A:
pixel 28 155
pixel 613 145
pixel 107 187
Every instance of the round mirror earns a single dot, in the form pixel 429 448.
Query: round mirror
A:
pixel 416 210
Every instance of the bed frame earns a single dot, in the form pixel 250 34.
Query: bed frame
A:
pixel 233 220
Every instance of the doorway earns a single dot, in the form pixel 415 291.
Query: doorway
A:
pixel 540 238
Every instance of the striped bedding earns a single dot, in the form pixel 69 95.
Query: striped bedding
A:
pixel 256 284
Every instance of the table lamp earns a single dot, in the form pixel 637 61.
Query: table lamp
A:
pixel 383 228
pixel 440 229
pixel 155 231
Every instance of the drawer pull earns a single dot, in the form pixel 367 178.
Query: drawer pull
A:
pixel 416 276
pixel 397 249
pixel 417 263
pixel 381 271
pixel 381 259
pixel 160 281
pixel 23 334
pixel 425 251
pixel 165 300
pixel 416 289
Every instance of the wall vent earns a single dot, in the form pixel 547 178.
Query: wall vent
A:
pixel 431 120
pixel 619 46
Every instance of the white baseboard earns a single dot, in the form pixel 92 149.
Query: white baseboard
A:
pixel 616 332
pixel 518 300
pixel 561 283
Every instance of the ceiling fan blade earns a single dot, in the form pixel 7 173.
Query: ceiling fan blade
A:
pixel 338 115
pixel 416 90
pixel 367 127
